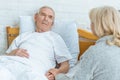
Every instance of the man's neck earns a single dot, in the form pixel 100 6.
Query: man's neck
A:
pixel 39 31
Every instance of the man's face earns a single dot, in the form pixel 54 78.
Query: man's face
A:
pixel 44 19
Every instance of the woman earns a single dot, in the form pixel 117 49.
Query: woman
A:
pixel 101 61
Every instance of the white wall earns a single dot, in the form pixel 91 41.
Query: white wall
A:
pixel 10 10
pixel 67 10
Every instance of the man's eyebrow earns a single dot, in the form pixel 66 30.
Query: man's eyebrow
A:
pixel 41 13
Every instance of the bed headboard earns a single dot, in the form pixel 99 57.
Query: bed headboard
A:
pixel 12 33
pixel 85 38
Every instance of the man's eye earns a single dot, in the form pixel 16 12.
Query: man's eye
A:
pixel 51 17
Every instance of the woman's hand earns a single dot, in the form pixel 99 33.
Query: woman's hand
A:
pixel 52 73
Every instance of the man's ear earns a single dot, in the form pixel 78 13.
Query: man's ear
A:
pixel 53 23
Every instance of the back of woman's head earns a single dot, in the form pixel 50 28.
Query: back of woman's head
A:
pixel 106 21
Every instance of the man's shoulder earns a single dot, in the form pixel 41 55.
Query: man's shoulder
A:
pixel 54 34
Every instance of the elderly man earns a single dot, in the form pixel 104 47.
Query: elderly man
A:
pixel 34 54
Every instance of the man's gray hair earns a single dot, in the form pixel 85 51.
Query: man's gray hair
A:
pixel 48 8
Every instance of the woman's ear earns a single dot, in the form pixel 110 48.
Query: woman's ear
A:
pixel 35 17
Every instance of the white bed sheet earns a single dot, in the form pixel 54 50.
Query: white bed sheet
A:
pixel 17 68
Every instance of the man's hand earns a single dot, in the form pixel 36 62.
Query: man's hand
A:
pixel 64 67
pixel 19 52
pixel 50 76
pixel 52 73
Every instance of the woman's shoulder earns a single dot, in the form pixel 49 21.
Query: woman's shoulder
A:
pixel 102 51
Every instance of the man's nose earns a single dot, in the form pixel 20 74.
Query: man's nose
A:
pixel 46 18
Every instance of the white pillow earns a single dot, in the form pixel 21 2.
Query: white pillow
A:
pixel 67 30
pixel 26 24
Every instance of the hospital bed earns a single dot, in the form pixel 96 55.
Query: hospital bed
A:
pixel 86 39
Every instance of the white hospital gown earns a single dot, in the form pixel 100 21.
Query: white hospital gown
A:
pixel 44 49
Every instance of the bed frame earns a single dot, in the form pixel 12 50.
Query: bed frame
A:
pixel 85 38
pixel 12 33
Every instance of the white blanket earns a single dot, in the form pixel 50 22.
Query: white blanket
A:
pixel 17 68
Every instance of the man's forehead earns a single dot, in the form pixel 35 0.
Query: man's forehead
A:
pixel 47 10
